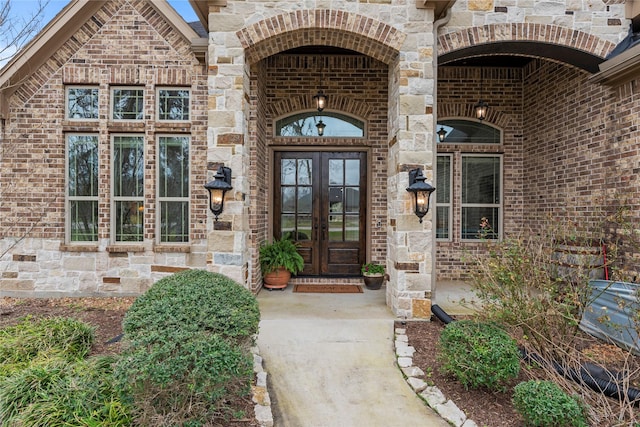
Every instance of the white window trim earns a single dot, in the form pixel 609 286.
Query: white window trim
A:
pixel 112 98
pixel 66 103
pixel 159 200
pixel 472 205
pixel 68 199
pixel 112 204
pixel 450 204
pixel 157 112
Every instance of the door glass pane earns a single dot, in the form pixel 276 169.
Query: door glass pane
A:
pixel 352 200
pixel 335 200
pixel 288 199
pixel 336 172
pixel 352 228
pixel 288 172
pixel 352 172
pixel 287 224
pixel 335 228
pixel 304 200
pixel 304 171
pixel 304 227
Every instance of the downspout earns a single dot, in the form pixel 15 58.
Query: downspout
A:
pixel 436 26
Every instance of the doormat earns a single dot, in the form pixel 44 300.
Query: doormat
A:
pixel 328 289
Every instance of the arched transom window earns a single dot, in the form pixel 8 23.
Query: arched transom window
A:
pixel 306 124
pixel 461 131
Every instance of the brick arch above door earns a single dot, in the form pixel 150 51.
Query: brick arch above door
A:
pixel 495 117
pixel 338 103
pixel 323 27
pixel 518 38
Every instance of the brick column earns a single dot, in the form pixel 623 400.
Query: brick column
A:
pixel 228 237
pixel 412 145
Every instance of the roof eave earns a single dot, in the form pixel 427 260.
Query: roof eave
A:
pixel 439 7
pixel 64 24
pixel 619 69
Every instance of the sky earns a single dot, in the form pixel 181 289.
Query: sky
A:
pixel 26 8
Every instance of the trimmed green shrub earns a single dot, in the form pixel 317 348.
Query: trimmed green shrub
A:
pixel 38 340
pixel 545 404
pixel 185 377
pixel 63 393
pixel 186 349
pixel 479 354
pixel 195 300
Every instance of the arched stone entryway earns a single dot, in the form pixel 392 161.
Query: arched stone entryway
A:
pixel 401 119
pixel 554 121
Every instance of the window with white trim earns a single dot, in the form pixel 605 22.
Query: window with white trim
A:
pixel 127 103
pixel 479 213
pixel 481 197
pixel 173 189
pixel 444 209
pixel 82 187
pixel 82 102
pixel 127 212
pixel 173 104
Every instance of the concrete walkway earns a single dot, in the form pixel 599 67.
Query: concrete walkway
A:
pixel 331 362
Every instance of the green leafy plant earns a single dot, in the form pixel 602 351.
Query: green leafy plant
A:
pixel 281 253
pixel 42 339
pixel 187 349
pixel 195 300
pixel 63 393
pixel 371 268
pixel 545 404
pixel 479 354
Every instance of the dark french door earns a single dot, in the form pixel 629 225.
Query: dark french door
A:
pixel 320 198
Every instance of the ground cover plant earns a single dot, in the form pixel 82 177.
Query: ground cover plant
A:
pixel 45 379
pixel 82 391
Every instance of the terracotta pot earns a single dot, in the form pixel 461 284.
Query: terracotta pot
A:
pixel 374 282
pixel 278 279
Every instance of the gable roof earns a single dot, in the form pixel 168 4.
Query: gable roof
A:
pixel 63 26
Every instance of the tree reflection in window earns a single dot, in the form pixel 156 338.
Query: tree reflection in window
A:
pixel 304 124
pixel 462 131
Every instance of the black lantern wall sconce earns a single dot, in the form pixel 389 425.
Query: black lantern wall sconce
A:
pixel 421 192
pixel 217 188
pixel 441 134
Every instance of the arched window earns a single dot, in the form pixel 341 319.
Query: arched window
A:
pixel 305 124
pixel 461 131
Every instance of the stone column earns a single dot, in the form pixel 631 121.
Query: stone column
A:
pixel 412 146
pixel 228 237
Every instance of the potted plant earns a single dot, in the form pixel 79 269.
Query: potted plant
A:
pixel 278 260
pixel 373 275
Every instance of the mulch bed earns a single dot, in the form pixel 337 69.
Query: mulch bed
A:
pixel 484 407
